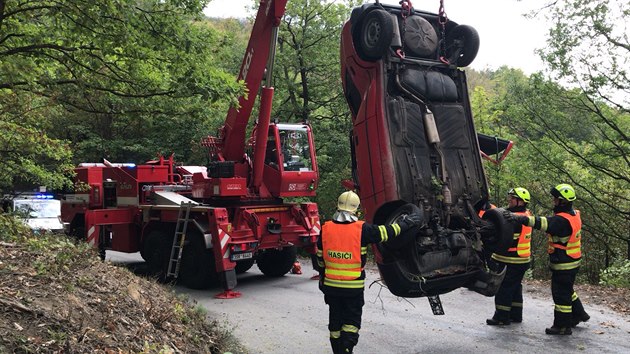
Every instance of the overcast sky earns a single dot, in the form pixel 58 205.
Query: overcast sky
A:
pixel 507 38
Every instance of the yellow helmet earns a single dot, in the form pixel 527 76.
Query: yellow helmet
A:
pixel 348 201
pixel 564 191
pixel 520 193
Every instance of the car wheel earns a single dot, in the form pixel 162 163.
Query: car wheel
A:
pixel 500 236
pixel 405 238
pixel 375 35
pixel 462 45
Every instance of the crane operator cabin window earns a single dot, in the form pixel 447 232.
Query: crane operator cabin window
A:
pixel 296 154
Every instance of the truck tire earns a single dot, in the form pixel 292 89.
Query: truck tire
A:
pixel 244 266
pixel 374 36
pixel 462 45
pixel 276 263
pixel 155 251
pixel 77 232
pixel 197 269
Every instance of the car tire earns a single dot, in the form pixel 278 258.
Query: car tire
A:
pixel 502 234
pixel 405 238
pixel 462 45
pixel 375 35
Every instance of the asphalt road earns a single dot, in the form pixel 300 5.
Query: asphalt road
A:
pixel 288 315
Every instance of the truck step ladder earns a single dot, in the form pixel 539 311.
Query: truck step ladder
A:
pixel 183 217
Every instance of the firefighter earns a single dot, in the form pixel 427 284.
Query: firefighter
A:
pixel 341 253
pixel 565 255
pixel 508 301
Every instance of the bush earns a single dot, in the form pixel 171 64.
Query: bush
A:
pixel 12 229
pixel 617 275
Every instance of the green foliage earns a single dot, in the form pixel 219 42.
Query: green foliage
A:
pixel 12 229
pixel 308 87
pixel 118 79
pixel 617 275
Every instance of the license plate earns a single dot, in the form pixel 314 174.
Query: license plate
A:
pixel 240 256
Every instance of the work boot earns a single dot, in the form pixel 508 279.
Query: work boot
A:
pixel 516 316
pixel 562 331
pixel 336 345
pixel 583 317
pixel 495 322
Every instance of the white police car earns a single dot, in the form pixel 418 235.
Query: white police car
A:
pixel 38 211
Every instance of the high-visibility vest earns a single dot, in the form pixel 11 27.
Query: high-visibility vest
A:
pixel 523 246
pixel 571 244
pixel 341 250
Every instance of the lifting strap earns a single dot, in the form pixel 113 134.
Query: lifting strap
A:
pixel 183 217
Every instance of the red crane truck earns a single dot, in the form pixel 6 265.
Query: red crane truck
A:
pixel 206 223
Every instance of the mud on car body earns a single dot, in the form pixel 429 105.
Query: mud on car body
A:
pixel 414 147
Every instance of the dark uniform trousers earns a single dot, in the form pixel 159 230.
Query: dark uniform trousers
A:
pixel 345 319
pixel 567 303
pixel 508 300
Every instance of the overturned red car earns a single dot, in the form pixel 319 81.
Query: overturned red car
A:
pixel 415 147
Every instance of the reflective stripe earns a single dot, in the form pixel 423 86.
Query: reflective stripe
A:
pixel 563 308
pixel 345 273
pixel 383 230
pixel 335 334
pixel 363 250
pixel 543 224
pixel 517 304
pixel 574 296
pixel 396 228
pixel 512 260
pixel 349 328
pixel 503 308
pixel 320 253
pixel 348 284
pixel 565 266
pixel 523 245
pixel 343 266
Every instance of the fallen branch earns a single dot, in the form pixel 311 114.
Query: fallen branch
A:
pixel 15 305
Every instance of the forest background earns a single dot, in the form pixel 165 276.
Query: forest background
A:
pixel 127 79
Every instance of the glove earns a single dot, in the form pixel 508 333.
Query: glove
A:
pixel 515 218
pixel 412 220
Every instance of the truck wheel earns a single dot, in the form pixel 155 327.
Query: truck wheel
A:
pixel 500 236
pixel 244 266
pixel 77 232
pixel 462 45
pixel 404 239
pixel 375 35
pixel 197 269
pixel 155 252
pixel 276 263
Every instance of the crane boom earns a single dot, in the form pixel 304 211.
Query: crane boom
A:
pixel 252 70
